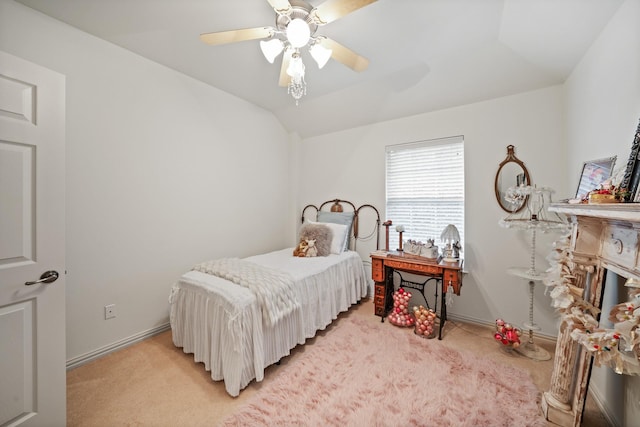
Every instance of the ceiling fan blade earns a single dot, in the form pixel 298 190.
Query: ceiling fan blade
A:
pixel 345 55
pixel 282 7
pixel 223 37
pixel 284 77
pixel 331 10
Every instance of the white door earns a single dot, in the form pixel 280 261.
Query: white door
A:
pixel 32 243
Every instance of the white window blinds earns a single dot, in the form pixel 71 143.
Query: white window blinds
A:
pixel 425 187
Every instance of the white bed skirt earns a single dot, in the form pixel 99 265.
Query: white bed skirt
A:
pixel 221 324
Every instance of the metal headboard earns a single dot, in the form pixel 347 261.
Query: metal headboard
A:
pixel 336 206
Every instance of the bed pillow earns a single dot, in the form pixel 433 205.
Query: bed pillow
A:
pixel 339 232
pixel 344 218
pixel 321 233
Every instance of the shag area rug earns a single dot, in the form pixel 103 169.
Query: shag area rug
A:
pixel 362 373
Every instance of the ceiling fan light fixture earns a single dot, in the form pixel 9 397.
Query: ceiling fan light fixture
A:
pixel 320 54
pixel 297 87
pixel 298 32
pixel 296 67
pixel 297 22
pixel 271 49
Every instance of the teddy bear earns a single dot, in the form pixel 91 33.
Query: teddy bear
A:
pixel 312 250
pixel 301 249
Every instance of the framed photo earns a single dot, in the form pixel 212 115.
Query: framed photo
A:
pixel 594 173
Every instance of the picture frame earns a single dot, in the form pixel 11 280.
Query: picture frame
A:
pixel 631 176
pixel 594 173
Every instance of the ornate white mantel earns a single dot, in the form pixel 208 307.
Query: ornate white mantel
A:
pixel 603 237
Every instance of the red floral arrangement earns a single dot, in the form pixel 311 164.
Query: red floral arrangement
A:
pixel 507 334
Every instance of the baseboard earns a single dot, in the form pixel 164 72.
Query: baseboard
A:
pixel 118 345
pixel 463 318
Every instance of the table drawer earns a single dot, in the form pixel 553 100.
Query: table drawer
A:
pixel 416 268
pixel 619 245
pixel 451 278
pixel 379 311
pixel 450 275
pixel 377 270
pixel 379 301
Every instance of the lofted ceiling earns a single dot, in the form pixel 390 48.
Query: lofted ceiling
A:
pixel 425 55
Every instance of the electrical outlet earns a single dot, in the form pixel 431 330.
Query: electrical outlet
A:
pixel 109 311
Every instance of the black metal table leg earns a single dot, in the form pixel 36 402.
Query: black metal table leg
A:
pixel 443 311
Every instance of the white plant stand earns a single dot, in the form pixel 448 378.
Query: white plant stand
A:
pixel 530 349
pixel 535 217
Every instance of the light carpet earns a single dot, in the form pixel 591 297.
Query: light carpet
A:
pixel 374 374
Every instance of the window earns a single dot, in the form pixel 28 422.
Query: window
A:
pixel 425 188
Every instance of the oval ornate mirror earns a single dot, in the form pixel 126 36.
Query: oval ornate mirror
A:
pixel 511 173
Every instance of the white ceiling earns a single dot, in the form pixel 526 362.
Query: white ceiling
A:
pixel 425 55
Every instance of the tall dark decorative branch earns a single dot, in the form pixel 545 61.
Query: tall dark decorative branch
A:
pixel 632 173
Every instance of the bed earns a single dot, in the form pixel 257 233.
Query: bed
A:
pixel 238 316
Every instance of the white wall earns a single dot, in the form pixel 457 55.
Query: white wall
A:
pixel 603 109
pixel 351 165
pixel 158 174
pixel 163 171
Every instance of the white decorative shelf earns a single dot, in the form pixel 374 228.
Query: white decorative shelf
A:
pixel 526 273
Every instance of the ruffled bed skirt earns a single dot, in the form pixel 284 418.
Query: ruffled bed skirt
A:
pixel 221 322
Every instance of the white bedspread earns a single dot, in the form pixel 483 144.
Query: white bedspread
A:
pixel 273 288
pixel 221 322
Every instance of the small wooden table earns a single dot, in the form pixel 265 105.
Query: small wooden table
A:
pixel 383 264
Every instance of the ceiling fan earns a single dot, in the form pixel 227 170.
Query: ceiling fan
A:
pixel 296 25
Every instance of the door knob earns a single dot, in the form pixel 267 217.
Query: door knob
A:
pixel 47 277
